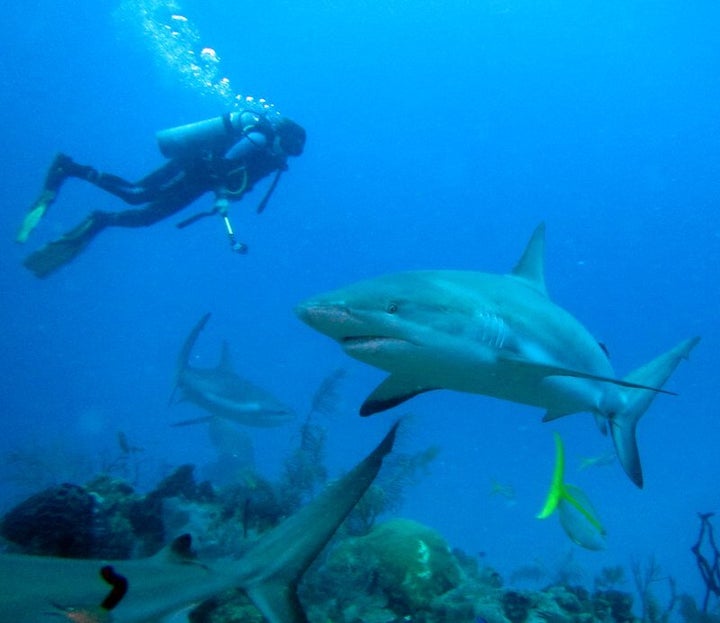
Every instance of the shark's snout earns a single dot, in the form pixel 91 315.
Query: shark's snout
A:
pixel 330 318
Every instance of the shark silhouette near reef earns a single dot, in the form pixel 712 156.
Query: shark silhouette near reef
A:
pixel 36 589
pixel 497 335
pixel 222 393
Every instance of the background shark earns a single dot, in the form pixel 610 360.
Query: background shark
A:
pixel 36 589
pixel 498 335
pixel 223 393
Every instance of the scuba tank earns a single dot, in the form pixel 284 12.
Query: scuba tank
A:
pixel 217 133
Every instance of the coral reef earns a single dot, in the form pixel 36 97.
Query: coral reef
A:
pixel 390 572
pixel 407 563
pixel 399 570
pixel 710 571
pixel 305 467
pixel 516 606
pixel 106 518
pixel 59 521
pixel 644 577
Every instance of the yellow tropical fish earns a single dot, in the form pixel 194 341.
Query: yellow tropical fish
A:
pixel 577 515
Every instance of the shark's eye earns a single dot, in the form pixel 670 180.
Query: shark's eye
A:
pixel 392 308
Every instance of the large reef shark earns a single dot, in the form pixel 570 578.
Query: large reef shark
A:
pixel 36 589
pixel 223 393
pixel 492 334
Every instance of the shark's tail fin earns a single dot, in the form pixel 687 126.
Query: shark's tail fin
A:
pixel 637 401
pixel 184 355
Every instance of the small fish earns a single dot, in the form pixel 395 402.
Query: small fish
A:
pixel 502 490
pixel 601 460
pixel 577 515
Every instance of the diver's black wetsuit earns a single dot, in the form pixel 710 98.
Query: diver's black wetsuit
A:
pixel 179 183
pixel 229 167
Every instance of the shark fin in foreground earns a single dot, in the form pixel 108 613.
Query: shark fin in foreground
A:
pixel 35 588
pixel 577 515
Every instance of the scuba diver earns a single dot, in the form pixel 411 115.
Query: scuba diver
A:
pixel 225 155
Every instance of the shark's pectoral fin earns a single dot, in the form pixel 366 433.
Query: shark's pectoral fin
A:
pixel 544 369
pixel 394 390
pixel 278 602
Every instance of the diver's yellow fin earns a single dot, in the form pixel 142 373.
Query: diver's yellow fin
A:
pixel 34 214
pixel 30 222
pixel 557 486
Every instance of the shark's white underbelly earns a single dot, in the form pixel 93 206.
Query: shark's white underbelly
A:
pixel 482 370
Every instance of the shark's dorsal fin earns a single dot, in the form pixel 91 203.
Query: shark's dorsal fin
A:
pixel 179 551
pixel 182 547
pixel 531 266
pixel 394 390
pixel 225 358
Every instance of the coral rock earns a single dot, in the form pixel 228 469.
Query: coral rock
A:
pixel 59 521
pixel 412 564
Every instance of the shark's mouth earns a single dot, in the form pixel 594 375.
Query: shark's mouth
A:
pixel 357 342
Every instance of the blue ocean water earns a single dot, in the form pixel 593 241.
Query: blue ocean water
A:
pixel 439 135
